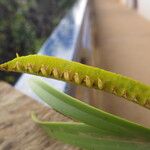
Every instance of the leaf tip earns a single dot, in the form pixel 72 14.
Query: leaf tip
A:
pixel 34 117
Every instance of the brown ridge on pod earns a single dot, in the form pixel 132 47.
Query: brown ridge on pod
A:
pixel 76 78
pixel 55 73
pixel 114 91
pixel 17 66
pixel 87 81
pixel 66 76
pixel 44 70
pixel 100 84
pixel 30 68
pixel 124 94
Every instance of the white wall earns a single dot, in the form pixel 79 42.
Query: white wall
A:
pixel 144 8
pixel 129 3
pixel 123 1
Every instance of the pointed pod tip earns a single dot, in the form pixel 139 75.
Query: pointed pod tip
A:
pixel 3 67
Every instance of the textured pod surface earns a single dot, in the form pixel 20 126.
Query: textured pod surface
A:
pixel 80 74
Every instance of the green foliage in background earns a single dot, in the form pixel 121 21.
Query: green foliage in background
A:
pixel 24 25
pixel 46 14
pixel 15 34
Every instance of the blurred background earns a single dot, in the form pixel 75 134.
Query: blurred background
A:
pixel 110 34
pixel 25 25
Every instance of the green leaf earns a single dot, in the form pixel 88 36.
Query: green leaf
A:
pixel 111 130
pixel 88 137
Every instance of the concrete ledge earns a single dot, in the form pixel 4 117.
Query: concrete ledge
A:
pixel 17 130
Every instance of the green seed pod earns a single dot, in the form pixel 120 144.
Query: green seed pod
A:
pixel 81 74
